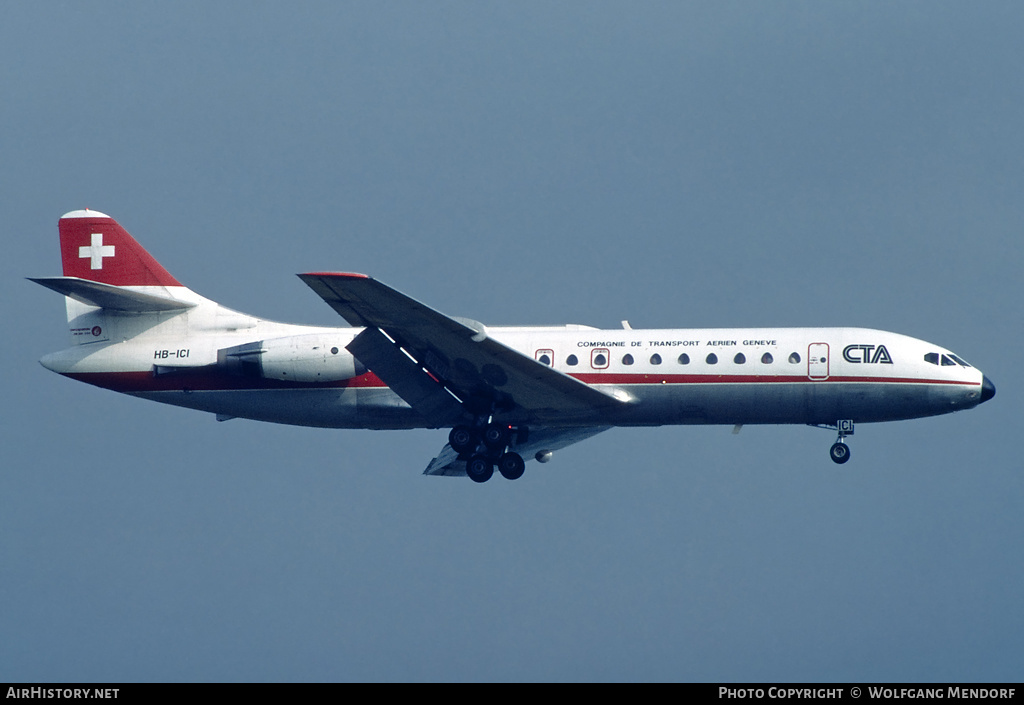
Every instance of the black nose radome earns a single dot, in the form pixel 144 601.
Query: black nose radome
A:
pixel 988 390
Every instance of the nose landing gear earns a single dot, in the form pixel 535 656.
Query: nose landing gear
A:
pixel 840 452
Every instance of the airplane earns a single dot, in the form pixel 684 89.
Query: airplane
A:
pixel 507 394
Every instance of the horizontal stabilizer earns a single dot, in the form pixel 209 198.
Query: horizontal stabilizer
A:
pixel 113 298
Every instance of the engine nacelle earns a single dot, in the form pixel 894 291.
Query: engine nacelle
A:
pixel 315 357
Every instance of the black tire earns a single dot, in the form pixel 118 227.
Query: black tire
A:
pixel 496 436
pixel 511 466
pixel 479 468
pixel 462 440
pixel 840 453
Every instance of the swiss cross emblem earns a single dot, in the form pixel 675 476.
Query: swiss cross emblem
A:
pixel 96 251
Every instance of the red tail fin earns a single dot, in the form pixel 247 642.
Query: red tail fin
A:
pixel 93 246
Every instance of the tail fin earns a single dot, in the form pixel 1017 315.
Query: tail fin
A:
pixel 107 274
pixel 94 247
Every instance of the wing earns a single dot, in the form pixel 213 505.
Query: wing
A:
pixel 541 441
pixel 448 368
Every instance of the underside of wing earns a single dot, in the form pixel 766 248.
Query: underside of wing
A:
pixel 431 360
pixel 539 446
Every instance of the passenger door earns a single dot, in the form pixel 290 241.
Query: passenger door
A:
pixel 817 361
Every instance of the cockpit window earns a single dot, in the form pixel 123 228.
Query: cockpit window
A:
pixel 947 360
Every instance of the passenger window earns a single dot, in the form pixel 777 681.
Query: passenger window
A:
pixel 794 358
pixel 740 358
pixel 655 359
pixel 767 359
pixel 545 357
pixel 627 359
pixel 599 358
pixel 933 358
pixel 711 359
pixel 572 361
pixel 684 359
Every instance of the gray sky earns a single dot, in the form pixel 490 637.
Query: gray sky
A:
pixel 677 164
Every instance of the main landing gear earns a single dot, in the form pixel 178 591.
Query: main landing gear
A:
pixel 485 446
pixel 840 452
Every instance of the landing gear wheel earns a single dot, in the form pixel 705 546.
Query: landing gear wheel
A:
pixel 479 468
pixel 840 453
pixel 496 436
pixel 462 439
pixel 511 466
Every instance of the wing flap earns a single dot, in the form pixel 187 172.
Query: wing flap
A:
pixel 446 464
pixel 407 379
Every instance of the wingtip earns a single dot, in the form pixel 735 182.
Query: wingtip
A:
pixel 339 275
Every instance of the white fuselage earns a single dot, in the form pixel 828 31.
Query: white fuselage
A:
pixel 213 359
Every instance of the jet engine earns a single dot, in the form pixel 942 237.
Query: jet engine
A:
pixel 315 357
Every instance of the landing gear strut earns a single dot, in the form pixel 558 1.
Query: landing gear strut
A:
pixel 485 445
pixel 840 452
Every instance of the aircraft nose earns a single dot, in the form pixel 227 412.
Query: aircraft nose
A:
pixel 988 390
